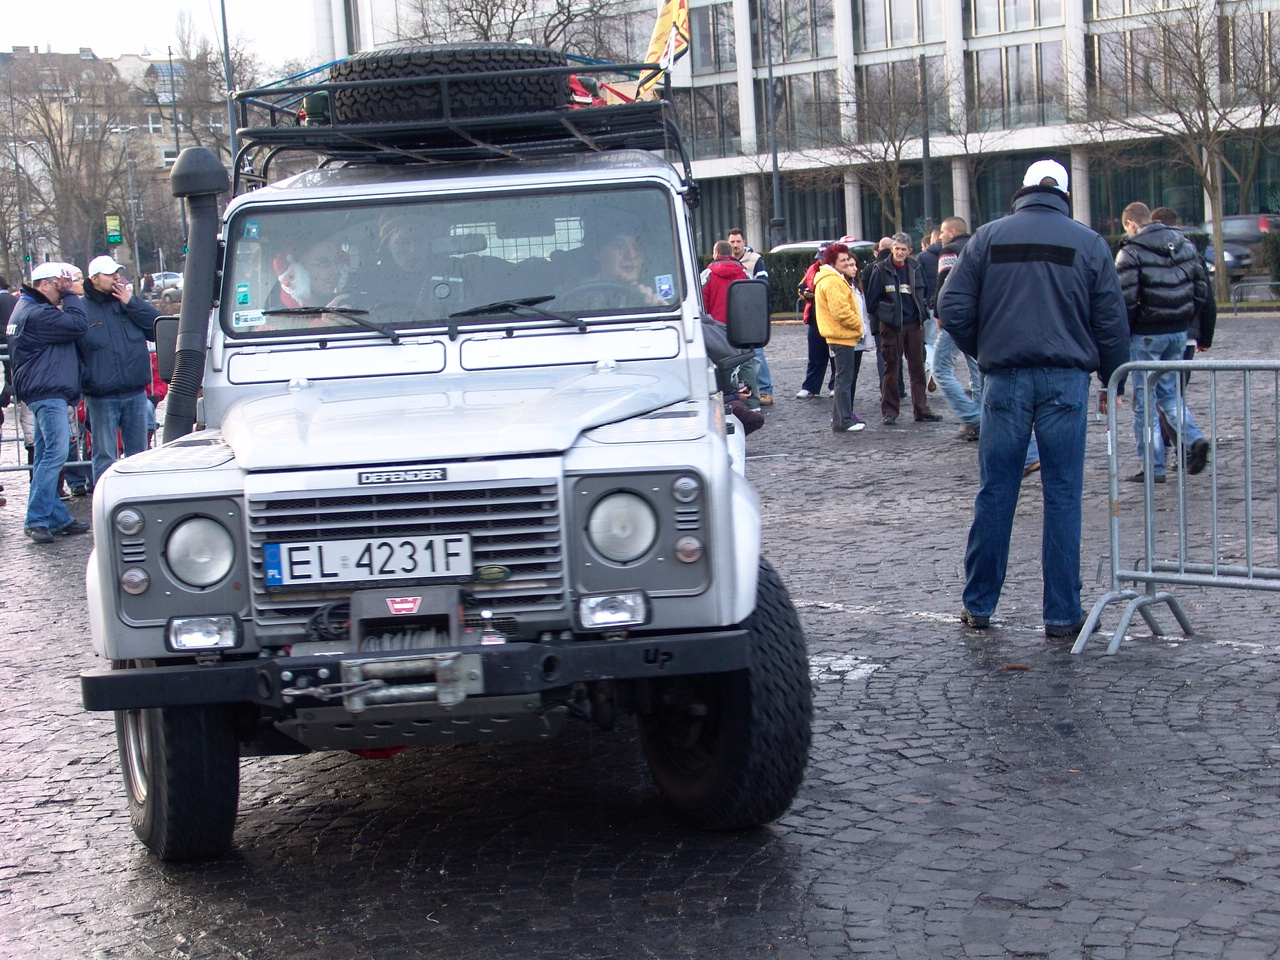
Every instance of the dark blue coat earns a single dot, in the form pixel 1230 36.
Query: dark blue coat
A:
pixel 42 347
pixel 1037 289
pixel 114 358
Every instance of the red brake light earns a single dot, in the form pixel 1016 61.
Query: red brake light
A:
pixel 1264 224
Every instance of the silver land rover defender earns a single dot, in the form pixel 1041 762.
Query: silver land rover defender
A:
pixel 446 457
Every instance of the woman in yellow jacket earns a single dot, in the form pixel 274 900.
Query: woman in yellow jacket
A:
pixel 835 308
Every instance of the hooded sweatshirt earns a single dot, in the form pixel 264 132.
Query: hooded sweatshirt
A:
pixel 715 293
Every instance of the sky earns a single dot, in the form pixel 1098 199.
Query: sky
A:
pixel 276 30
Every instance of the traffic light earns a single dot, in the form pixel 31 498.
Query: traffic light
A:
pixel 114 235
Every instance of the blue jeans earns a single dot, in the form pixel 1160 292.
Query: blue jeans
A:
pixel 945 353
pixel 128 415
pixel 53 435
pixel 816 368
pixel 1052 401
pixel 1165 346
pixel 763 376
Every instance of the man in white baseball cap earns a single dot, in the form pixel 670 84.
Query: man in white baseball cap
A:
pixel 1046 173
pixel 1035 299
pixel 116 367
pixel 45 324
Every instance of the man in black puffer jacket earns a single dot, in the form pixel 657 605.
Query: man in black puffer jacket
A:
pixel 1165 287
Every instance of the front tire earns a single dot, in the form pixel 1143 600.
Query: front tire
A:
pixel 728 750
pixel 181 770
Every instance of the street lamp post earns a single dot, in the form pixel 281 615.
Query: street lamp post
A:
pixel 177 140
pixel 24 231
pixel 776 224
pixel 133 203
pixel 924 147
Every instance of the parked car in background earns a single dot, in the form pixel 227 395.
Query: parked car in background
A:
pixel 166 279
pixel 1246 230
pixel 862 249
pixel 1237 257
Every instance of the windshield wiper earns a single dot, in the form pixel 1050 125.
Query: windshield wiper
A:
pixel 355 316
pixel 521 307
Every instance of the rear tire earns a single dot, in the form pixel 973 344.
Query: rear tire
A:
pixel 472 98
pixel 728 750
pixel 181 770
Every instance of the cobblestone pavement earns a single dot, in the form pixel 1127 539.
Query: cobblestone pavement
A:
pixel 970 794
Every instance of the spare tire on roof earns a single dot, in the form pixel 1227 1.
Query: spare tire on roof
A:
pixel 471 98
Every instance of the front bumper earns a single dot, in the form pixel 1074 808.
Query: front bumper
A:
pixel 438 676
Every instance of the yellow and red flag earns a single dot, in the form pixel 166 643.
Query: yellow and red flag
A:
pixel 669 43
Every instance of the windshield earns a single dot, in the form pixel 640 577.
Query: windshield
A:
pixel 428 263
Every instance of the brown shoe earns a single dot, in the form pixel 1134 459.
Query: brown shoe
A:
pixel 766 399
pixel 1031 468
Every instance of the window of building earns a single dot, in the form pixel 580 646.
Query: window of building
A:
pixel 890 106
pixel 169 156
pixel 1016 86
pixel 86 125
pixel 985 17
pixel 709 118
pixel 798 30
pixel 1107 9
pixel 155 123
pixel 712 39
pixel 806 109
pixel 897 23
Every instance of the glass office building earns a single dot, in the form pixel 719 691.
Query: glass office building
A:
pixel 995 83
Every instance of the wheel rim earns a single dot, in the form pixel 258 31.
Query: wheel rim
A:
pixel 137 755
pixel 688 724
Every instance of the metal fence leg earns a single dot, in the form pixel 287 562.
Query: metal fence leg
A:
pixel 1138 603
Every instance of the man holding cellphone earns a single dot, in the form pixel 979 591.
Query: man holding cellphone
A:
pixel 115 363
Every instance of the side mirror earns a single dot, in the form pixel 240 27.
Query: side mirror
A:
pixel 747 313
pixel 166 345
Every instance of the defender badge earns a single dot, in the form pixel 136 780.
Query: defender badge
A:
pixel 492 573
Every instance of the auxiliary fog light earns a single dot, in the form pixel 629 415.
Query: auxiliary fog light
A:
pixel 203 633
pixel 135 581
pixel 688 549
pixel 613 610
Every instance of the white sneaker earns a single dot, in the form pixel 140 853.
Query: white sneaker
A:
pixel 853 428
pixel 804 395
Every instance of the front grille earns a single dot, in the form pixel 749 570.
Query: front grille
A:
pixel 516 525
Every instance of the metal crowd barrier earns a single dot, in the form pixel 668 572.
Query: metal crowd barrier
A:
pixel 1220 528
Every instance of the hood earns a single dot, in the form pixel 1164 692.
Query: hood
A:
pixel 440 418
pixel 1157 238
pixel 728 269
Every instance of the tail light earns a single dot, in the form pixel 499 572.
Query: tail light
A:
pixel 1264 224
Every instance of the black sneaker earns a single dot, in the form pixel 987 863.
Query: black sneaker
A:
pixel 890 421
pixel 73 528
pixel 1140 476
pixel 1197 457
pixel 929 418
pixel 1056 631
pixel 80 490
pixel 974 621
pixel 39 534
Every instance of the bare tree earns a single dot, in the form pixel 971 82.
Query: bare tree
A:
pixel 68 111
pixel 584 27
pixel 884 148
pixel 1176 84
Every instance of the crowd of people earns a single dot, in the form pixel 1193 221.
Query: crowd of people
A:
pixel 1033 303
pixel 83 379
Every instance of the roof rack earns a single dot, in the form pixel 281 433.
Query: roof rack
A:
pixel 640 125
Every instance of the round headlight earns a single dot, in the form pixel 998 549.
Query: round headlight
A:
pixel 200 552
pixel 622 527
pixel 129 522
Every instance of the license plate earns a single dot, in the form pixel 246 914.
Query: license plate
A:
pixel 321 562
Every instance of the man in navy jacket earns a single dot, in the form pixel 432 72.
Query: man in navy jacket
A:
pixel 46 377
pixel 115 363
pixel 1035 299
